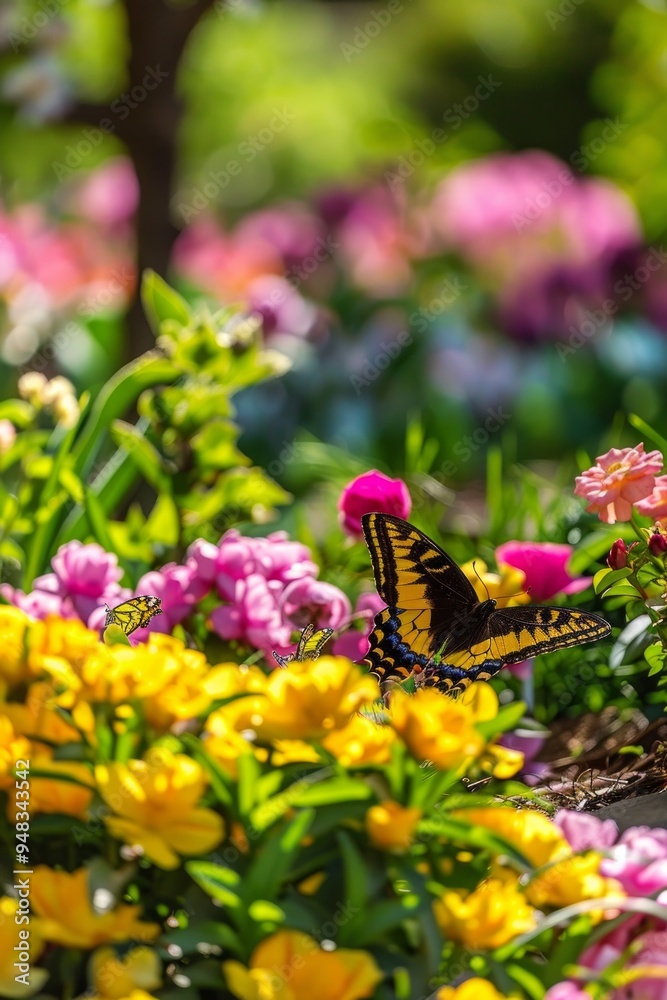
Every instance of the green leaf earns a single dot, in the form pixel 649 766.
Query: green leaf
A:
pixel 220 781
pixel 18 411
pixel 208 932
pixel 97 520
pixel 261 910
pixel 605 578
pixel 161 302
pixel 631 643
pixel 217 881
pixel 163 524
pixel 507 718
pixel 355 872
pixel 115 398
pixel 113 635
pixel 40 543
pixel 655 656
pixel 648 431
pixel 337 790
pixel 371 924
pixel 144 455
pixel 275 858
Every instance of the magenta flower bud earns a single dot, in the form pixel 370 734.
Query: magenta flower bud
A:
pixel 657 544
pixel 618 557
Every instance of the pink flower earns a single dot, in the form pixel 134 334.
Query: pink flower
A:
pixel 372 491
pixel 655 504
pixel 7 435
pixel 178 589
pixel 620 479
pixel 567 990
pixel 85 569
pixel 254 617
pixel 39 603
pixel 308 600
pixel 585 832
pixel 353 643
pixel 639 861
pixel 275 557
pixel 205 555
pixel 544 564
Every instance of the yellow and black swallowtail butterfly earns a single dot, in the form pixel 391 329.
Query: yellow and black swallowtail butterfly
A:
pixel 309 647
pixel 133 614
pixel 435 626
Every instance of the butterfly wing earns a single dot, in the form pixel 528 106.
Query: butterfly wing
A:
pixel 133 614
pixel 427 596
pixel 310 645
pixel 515 634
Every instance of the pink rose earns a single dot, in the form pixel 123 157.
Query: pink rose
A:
pixel 620 478
pixel 307 600
pixel 370 492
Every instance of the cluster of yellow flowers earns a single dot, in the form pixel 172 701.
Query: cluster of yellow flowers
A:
pixel 104 728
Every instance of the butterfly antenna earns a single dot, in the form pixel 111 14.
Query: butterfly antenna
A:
pixel 481 581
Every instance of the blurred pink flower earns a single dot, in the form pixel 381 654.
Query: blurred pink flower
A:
pixel 369 492
pixel 220 264
pixel 639 861
pixel 254 616
pixel 544 564
pixel 109 195
pixel 289 228
pixel 585 832
pixel 205 555
pixel 545 239
pixel 567 990
pixel 308 600
pixel 619 479
pixel 7 435
pixel 353 643
pixel 38 603
pixel 85 569
pixel 281 307
pixel 374 244
pixel 275 557
pixel 179 589
pixel 655 504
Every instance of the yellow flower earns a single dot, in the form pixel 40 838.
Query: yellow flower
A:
pixel 13 625
pixel 531 833
pixel 501 762
pixel 290 965
pixel 390 826
pixel 293 752
pixel 308 701
pixel 487 918
pixel 13 934
pixel 116 978
pixel 505 587
pixel 571 881
pixel 155 805
pixel 436 729
pixel 62 910
pixel 59 648
pixel 38 718
pixel 223 740
pixel 12 749
pixel 361 741
pixel 471 989
pixel 51 795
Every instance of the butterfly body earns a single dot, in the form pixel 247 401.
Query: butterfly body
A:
pixel 434 623
pixel 133 614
